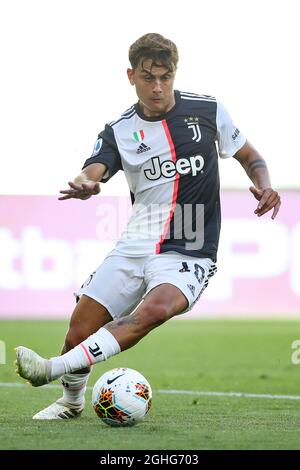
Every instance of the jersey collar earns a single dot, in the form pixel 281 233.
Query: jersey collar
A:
pixel 162 116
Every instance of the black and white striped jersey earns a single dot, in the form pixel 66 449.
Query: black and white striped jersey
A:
pixel 171 166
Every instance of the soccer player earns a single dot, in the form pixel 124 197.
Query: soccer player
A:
pixel 168 145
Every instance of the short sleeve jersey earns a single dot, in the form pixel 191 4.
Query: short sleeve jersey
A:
pixel 171 166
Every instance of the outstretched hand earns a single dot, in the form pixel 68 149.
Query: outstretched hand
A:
pixel 80 191
pixel 268 200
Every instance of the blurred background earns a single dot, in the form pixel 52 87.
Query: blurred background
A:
pixel 63 76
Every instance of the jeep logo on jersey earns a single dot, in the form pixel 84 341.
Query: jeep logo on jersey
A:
pixel 168 168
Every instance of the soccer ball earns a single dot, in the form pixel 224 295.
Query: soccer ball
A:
pixel 122 397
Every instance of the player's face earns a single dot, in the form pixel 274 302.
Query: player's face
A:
pixel 154 87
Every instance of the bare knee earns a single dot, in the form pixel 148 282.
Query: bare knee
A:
pixel 152 315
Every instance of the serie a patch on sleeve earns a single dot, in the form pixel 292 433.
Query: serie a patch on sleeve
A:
pixel 97 147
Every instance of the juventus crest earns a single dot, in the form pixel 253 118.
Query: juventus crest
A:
pixel 192 123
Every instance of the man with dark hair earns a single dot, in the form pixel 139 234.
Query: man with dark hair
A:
pixel 155 47
pixel 168 145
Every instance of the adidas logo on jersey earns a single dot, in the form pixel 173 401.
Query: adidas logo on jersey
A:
pixel 143 148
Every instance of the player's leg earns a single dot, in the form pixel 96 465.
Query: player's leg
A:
pixel 162 302
pixel 159 305
pixel 116 287
pixel 174 284
pixel 88 316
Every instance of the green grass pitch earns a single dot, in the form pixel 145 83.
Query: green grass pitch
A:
pixel 195 356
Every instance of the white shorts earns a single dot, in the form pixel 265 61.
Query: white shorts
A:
pixel 120 282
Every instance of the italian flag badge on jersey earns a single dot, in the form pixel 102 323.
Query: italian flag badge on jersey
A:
pixel 139 136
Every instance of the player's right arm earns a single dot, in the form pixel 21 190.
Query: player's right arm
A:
pixel 104 162
pixel 86 184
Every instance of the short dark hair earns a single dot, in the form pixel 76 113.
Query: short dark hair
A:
pixel 156 47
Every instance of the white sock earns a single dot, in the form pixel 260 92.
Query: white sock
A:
pixel 96 348
pixel 74 387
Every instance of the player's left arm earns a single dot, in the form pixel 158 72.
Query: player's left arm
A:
pixel 256 168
